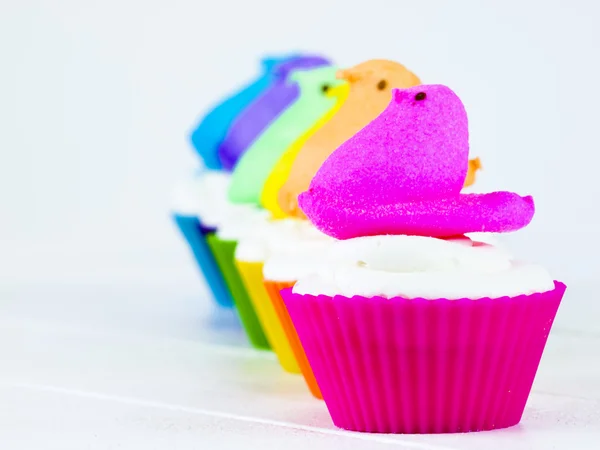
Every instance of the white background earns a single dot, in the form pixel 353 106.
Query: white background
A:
pixel 97 99
pixel 105 337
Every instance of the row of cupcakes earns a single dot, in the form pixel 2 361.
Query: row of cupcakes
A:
pixel 395 317
pixel 308 109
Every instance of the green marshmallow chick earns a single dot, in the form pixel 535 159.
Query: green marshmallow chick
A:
pixel 313 102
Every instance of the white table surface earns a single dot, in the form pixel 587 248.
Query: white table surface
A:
pixel 93 366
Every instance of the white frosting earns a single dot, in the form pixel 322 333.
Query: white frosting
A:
pixel 205 196
pixel 284 245
pixel 241 221
pixel 414 266
pixel 295 266
pixel 187 196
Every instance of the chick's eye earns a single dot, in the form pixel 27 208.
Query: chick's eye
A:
pixel 324 88
pixel 382 85
pixel 420 96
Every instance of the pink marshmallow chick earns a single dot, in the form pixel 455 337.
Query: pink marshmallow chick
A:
pixel 403 173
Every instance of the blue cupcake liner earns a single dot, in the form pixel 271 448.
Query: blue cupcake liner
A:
pixel 195 235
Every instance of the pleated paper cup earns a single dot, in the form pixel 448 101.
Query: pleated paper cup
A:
pixel 273 289
pixel 195 234
pixel 424 366
pixel 223 251
pixel 252 277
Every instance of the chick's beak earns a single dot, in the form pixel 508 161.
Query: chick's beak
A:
pixel 339 91
pixel 347 74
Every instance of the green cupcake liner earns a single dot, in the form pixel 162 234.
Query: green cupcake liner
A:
pixel 224 252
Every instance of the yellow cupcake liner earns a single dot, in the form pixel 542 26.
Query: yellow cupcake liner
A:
pixel 252 277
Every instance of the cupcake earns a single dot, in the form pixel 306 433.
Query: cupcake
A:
pixel 196 212
pixel 246 220
pixel 417 328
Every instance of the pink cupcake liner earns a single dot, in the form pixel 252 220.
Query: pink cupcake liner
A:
pixel 424 366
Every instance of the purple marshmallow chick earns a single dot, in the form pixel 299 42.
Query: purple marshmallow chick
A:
pixel 265 109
